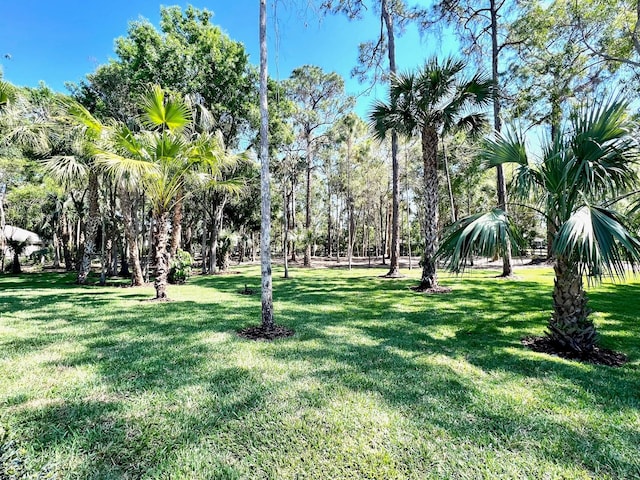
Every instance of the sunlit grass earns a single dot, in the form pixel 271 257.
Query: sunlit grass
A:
pixel 378 382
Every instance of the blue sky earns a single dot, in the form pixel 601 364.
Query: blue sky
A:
pixel 62 41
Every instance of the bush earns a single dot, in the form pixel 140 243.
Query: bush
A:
pixel 180 269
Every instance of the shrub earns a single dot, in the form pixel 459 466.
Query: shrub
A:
pixel 180 269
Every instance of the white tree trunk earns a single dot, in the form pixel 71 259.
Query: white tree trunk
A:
pixel 265 254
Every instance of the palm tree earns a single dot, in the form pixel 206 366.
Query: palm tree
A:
pixel 431 102
pixel 43 127
pixel 161 158
pixel 582 172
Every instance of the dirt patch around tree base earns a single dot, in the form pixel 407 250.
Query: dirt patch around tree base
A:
pixel 431 291
pixel 260 333
pixel 598 356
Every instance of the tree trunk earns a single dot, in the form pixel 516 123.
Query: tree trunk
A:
pixel 268 322
pixel 216 227
pixel 176 224
pixel 15 265
pixel 66 250
pixel 452 203
pixel 91 230
pixel 292 223
pixel 329 221
pixel 203 245
pixel 394 269
pixel 507 269
pixel 56 248
pixel 307 218
pixel 162 255
pixel 570 327
pixel 285 239
pixel 131 234
pixel 429 278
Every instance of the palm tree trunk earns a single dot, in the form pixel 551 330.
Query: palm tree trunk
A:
pixel 15 265
pixel 91 230
pixel 131 235
pixel 162 255
pixel 570 327
pixel 429 278
pixel 176 224
pixel 268 322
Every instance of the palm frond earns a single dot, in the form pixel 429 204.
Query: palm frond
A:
pixel 507 147
pixel 597 240
pixel 8 92
pixel 79 114
pixel 484 234
pixel 381 119
pixel 159 112
pixel 66 169
pixel 128 169
pixel 233 186
pixel 473 124
pixel 603 150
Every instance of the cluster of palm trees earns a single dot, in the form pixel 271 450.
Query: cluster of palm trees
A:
pixel 583 171
pixel 173 144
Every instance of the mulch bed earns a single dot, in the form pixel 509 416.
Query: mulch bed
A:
pixel 598 356
pixel 431 291
pixel 260 333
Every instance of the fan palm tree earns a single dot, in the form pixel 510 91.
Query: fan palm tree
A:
pixel 577 180
pixel 42 126
pixel 161 158
pixel 431 102
pixel 74 164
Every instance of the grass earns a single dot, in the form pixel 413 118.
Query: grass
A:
pixel 378 382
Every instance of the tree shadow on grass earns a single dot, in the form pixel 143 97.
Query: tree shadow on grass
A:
pixel 431 359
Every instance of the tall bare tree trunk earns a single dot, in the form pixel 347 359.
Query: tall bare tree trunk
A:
pixel 329 221
pixel 429 278
pixel 66 239
pixel 292 223
pixel 507 268
pixel 307 218
pixel 285 236
pixel 394 266
pixel 268 322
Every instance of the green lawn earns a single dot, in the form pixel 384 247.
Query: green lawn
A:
pixel 378 382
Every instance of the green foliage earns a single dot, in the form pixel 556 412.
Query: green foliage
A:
pixel 436 97
pixel 187 56
pixel 180 268
pixel 485 234
pixel 554 67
